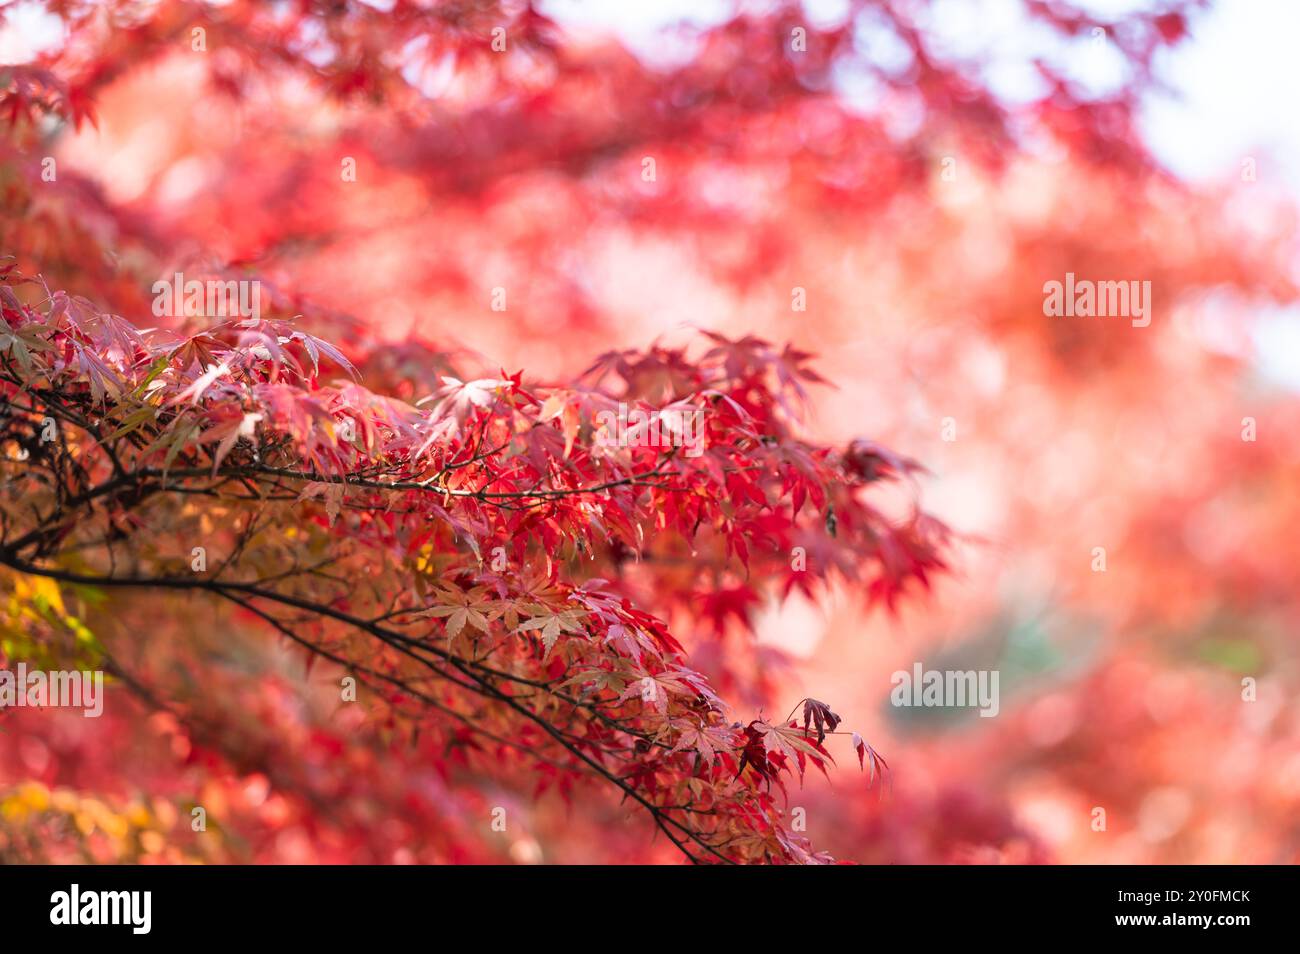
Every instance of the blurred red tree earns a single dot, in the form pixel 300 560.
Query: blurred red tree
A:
pixel 498 558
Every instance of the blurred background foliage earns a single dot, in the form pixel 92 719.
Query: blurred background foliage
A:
pixel 775 168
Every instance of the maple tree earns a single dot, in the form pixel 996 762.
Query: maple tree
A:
pixel 530 600
pixel 356 526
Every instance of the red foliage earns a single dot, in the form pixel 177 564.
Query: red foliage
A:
pixel 548 579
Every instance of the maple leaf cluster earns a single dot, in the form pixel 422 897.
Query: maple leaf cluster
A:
pixel 468 559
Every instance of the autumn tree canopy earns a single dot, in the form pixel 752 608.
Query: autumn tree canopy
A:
pixel 425 532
